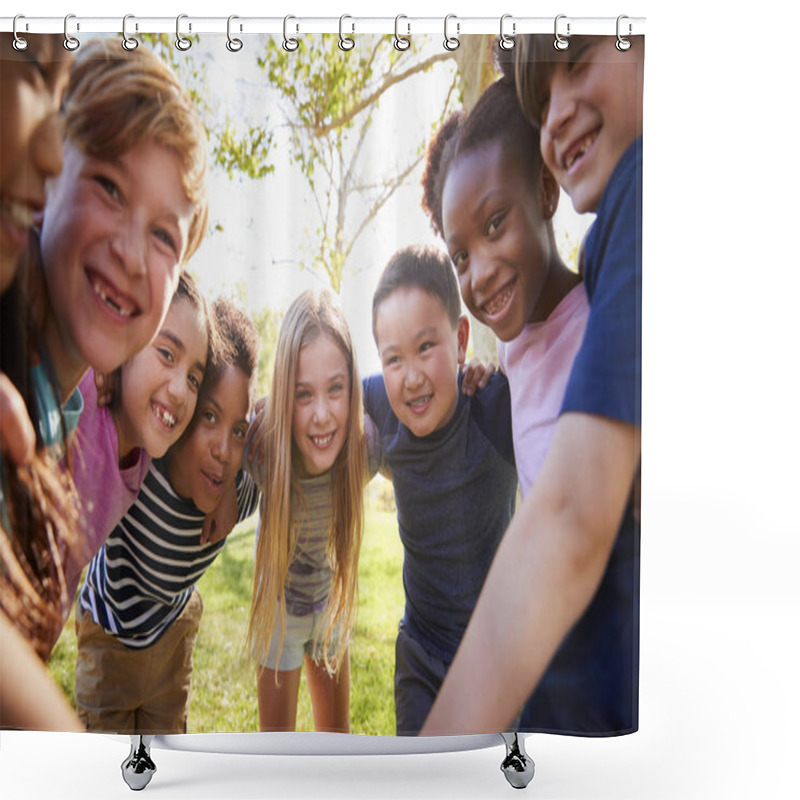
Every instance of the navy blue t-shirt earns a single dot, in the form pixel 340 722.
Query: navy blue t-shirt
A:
pixel 592 685
pixel 455 492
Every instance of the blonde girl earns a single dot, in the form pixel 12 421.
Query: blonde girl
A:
pixel 313 471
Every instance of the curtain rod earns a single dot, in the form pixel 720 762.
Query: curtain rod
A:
pixel 404 25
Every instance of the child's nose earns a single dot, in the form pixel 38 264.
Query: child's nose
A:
pixel 481 273
pixel 129 246
pixel 413 376
pixel 321 411
pixel 222 448
pixel 47 147
pixel 177 386
pixel 560 106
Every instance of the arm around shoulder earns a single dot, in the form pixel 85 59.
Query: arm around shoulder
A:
pixel 544 575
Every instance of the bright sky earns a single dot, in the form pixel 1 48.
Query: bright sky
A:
pixel 267 223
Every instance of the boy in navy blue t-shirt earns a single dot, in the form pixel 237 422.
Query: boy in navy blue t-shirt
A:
pixel 451 460
pixel 559 611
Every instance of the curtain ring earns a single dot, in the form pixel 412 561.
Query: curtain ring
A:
pixel 345 42
pixel 507 42
pixel 19 42
pixel 70 42
pixel 128 42
pixel 401 43
pixel 451 42
pixel 234 45
pixel 560 42
pixel 289 44
pixel 623 44
pixel 181 42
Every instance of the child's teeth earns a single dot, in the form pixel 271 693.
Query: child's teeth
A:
pixel 321 440
pixel 165 416
pixel 19 214
pixel 124 312
pixel 498 302
pixel 420 401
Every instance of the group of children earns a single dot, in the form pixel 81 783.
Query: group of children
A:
pixel 525 620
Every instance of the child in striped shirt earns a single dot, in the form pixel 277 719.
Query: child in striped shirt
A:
pixel 139 609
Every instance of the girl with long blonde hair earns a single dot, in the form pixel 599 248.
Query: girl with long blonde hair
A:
pixel 312 466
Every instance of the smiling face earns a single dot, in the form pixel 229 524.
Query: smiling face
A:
pixel 203 465
pixel 420 353
pixel 31 84
pixel 321 406
pixel 161 383
pixel 113 236
pixel 494 220
pixel 591 116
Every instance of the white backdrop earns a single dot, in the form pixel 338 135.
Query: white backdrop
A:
pixel 720 545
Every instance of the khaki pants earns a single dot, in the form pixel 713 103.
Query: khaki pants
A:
pixel 119 689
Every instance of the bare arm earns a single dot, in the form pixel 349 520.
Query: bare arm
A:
pixel 29 698
pixel 17 437
pixel 544 575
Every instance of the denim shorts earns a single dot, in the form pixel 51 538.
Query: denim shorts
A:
pixel 299 640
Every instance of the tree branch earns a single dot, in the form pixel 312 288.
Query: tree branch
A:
pixel 391 80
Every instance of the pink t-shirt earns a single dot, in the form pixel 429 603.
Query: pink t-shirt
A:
pixel 105 490
pixel 538 363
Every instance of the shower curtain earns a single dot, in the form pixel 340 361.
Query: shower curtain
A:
pixel 318 146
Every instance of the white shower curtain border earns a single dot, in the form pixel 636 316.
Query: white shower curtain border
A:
pixel 300 25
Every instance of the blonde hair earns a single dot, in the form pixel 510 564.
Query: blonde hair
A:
pixel 117 98
pixel 309 316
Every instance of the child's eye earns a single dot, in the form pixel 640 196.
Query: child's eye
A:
pixel 336 388
pixel 302 395
pixel 110 188
pixel 425 346
pixel 239 432
pixel 166 354
pixel 166 237
pixel 459 260
pixel 210 416
pixel 494 223
pixel 195 382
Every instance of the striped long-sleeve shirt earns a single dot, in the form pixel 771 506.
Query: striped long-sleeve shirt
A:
pixel 143 576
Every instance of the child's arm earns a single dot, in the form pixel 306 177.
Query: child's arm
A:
pixel 29 698
pixel 544 575
pixel 219 524
pixel 17 437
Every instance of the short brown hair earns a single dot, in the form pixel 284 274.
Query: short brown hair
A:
pixel 117 98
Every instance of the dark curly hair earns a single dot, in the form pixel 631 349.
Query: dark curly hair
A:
pixel 496 117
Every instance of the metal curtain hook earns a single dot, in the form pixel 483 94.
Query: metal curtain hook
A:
pixel 507 42
pixel 70 42
pixel 345 42
pixel 623 44
pixel 451 42
pixel 181 42
pixel 19 42
pixel 561 43
pixel 289 44
pixel 401 42
pixel 234 45
pixel 129 42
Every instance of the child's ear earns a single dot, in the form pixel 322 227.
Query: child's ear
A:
pixel 463 338
pixel 548 193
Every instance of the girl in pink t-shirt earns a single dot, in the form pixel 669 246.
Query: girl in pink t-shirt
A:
pixel 492 200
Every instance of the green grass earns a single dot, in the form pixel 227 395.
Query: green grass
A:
pixel 224 683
